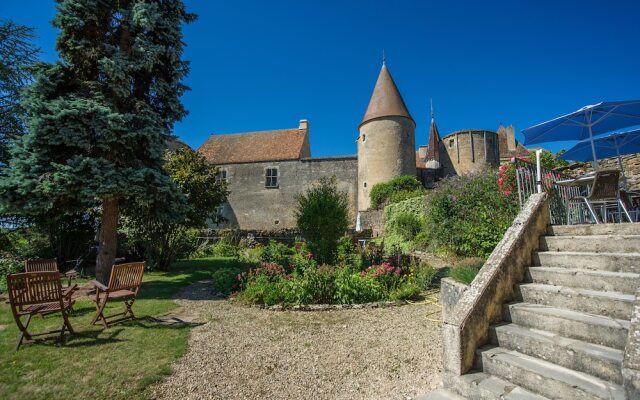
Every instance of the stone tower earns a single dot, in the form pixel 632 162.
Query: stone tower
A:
pixel 386 145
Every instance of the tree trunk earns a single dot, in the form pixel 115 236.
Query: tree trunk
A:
pixel 108 239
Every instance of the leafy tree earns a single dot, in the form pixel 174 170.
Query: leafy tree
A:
pixel 322 216
pixel 165 236
pixel 17 54
pixel 100 117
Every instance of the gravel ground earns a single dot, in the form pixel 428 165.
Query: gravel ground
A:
pixel 249 353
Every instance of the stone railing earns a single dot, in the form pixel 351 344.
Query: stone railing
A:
pixel 631 362
pixel 469 311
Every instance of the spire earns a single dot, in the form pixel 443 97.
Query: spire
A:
pixel 386 100
pixel 433 145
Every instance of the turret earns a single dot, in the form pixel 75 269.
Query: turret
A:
pixel 386 145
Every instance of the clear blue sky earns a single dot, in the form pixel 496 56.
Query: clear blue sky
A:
pixel 258 65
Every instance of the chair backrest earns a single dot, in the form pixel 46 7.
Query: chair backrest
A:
pixel 27 288
pixel 126 276
pixel 605 185
pixel 41 265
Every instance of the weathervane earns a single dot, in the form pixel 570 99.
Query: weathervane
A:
pixel 384 58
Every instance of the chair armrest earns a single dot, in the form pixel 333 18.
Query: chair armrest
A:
pixel 71 273
pixel 69 289
pixel 99 285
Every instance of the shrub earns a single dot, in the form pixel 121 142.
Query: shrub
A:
pixel 354 288
pixel 463 274
pixel 223 249
pixel 468 216
pixel 408 289
pixel 250 255
pixel 225 280
pixel 302 261
pixel 318 286
pixel 425 274
pixel 322 217
pixel 276 252
pixel 404 222
pixel 347 254
pixel 397 189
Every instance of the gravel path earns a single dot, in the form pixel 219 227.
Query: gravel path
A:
pixel 249 353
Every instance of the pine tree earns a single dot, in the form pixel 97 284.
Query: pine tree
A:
pixel 100 117
pixel 17 54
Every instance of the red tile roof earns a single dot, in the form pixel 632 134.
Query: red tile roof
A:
pixel 277 145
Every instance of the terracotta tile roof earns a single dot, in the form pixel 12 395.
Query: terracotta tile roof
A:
pixel 277 145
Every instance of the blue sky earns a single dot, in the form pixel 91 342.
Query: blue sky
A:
pixel 258 65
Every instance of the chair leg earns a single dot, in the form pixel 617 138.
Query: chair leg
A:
pixel 626 212
pixel 99 313
pixel 592 211
pixel 23 331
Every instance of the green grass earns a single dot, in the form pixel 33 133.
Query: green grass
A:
pixel 116 363
pixel 463 274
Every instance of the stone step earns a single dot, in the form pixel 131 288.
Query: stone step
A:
pixel 440 394
pixel 479 385
pixel 610 304
pixel 591 229
pixel 546 378
pixel 600 361
pixel 624 282
pixel 618 262
pixel 594 243
pixel 590 328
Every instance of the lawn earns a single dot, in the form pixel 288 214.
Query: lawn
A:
pixel 118 362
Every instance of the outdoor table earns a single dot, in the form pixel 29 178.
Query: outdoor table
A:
pixel 583 180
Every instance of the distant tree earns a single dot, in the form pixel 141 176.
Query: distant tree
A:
pixel 100 117
pixel 17 54
pixel 323 218
pixel 163 237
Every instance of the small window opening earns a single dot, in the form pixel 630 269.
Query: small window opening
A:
pixel 451 142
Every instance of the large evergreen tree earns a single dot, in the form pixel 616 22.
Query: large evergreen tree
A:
pixel 99 118
pixel 17 54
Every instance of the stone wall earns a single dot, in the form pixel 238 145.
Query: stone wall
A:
pixel 476 308
pixel 631 164
pixel 372 220
pixel 386 150
pixel 253 206
pixel 631 361
pixel 469 151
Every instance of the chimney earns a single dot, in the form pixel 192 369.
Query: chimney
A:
pixel 304 125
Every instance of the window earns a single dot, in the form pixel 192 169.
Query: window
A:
pixel 221 176
pixel 364 137
pixel 451 142
pixel 271 178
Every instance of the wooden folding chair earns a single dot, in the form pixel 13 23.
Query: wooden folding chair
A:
pixel 48 264
pixel 124 285
pixel 33 293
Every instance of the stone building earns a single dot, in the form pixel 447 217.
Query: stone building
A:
pixel 267 170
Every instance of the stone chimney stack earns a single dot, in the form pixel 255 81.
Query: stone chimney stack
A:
pixel 304 125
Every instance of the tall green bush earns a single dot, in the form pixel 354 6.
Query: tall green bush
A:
pixel 322 216
pixel 404 222
pixel 468 215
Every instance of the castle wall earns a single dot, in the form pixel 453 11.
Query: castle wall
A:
pixel 469 151
pixel 386 149
pixel 253 206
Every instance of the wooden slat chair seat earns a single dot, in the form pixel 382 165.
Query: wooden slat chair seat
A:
pixel 32 293
pixel 50 265
pixel 124 285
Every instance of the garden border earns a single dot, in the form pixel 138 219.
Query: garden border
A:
pixel 331 307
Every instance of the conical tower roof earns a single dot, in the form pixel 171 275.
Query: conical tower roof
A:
pixel 433 150
pixel 386 100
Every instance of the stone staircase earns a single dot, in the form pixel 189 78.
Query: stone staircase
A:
pixel 565 337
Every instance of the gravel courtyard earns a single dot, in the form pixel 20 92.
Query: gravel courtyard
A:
pixel 249 353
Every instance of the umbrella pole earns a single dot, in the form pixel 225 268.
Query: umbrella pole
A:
pixel 593 146
pixel 624 177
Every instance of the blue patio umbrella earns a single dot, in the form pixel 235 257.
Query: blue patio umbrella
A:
pixel 587 122
pixel 613 145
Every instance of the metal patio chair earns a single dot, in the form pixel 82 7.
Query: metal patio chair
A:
pixel 604 192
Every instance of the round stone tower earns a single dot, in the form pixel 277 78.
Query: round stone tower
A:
pixel 386 145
